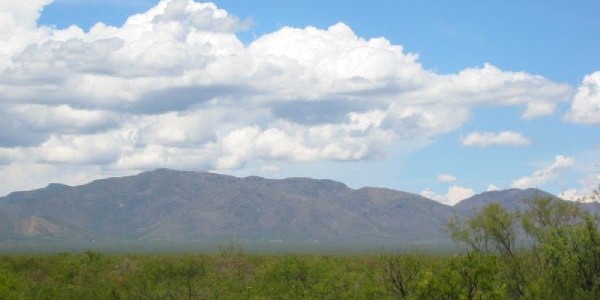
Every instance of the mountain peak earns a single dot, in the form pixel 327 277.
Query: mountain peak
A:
pixel 510 198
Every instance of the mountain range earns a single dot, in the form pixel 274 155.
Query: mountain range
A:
pixel 180 206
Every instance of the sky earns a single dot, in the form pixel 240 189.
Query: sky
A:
pixel 436 98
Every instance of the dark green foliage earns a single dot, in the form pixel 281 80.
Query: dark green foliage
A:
pixel 491 230
pixel 571 255
pixel 559 257
pixel 471 276
pixel 563 261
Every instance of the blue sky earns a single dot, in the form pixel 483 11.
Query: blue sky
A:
pixel 528 69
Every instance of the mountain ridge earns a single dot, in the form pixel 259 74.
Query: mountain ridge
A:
pixel 166 204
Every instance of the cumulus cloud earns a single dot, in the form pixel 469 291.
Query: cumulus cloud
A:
pixel 486 139
pixel 175 87
pixel 446 178
pixel 585 107
pixel 18 26
pixel 545 174
pixel 454 195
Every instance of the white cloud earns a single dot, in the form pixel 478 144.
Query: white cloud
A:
pixel 545 174
pixel 486 139
pixel 538 109
pixel 446 178
pixel 63 118
pixel 18 26
pixel 585 107
pixel 454 195
pixel 457 194
pixel 580 196
pixel 572 195
pixel 96 149
pixel 588 192
pixel 491 188
pixel 489 85
pixel 175 87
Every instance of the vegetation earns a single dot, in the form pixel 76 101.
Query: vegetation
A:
pixel 228 275
pixel 551 250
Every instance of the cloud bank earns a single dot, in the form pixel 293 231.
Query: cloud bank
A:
pixel 175 87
